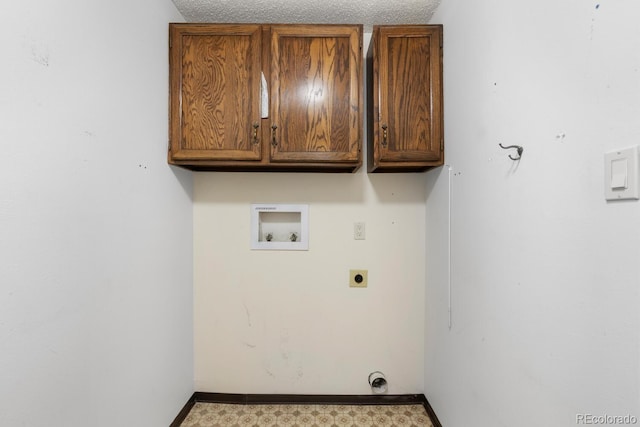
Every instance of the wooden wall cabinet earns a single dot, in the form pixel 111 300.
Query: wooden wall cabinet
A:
pixel 405 114
pixel 312 119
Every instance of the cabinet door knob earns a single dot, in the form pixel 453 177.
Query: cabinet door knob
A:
pixel 273 135
pixel 384 135
pixel 255 132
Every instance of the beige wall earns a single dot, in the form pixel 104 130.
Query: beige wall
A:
pixel 286 321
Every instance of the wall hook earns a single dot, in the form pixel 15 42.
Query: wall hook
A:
pixel 517 147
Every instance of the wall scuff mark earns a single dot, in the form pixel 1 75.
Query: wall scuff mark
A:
pixel 246 309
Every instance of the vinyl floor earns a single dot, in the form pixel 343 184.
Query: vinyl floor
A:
pixel 290 415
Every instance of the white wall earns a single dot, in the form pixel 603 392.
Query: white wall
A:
pixel 96 229
pixel 545 275
pixel 287 322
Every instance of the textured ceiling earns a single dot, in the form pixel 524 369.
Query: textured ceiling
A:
pixel 366 12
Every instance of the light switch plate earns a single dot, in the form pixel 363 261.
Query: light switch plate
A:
pixel 621 174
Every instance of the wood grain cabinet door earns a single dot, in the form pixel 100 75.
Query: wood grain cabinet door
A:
pixel 407 97
pixel 215 76
pixel 316 92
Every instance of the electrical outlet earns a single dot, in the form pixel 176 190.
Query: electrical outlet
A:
pixel 358 278
pixel 358 231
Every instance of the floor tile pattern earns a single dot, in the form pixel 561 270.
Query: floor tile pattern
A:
pixel 234 415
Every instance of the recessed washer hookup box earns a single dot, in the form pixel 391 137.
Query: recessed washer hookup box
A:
pixel 279 227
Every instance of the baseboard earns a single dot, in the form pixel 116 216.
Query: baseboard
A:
pixel 306 399
pixel 427 406
pixel 184 411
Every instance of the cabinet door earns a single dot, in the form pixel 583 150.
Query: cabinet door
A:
pixel 215 92
pixel 316 92
pixel 409 80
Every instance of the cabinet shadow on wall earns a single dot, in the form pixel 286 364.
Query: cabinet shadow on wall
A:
pixel 283 187
pixel 399 188
pixel 185 178
pixel 279 187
